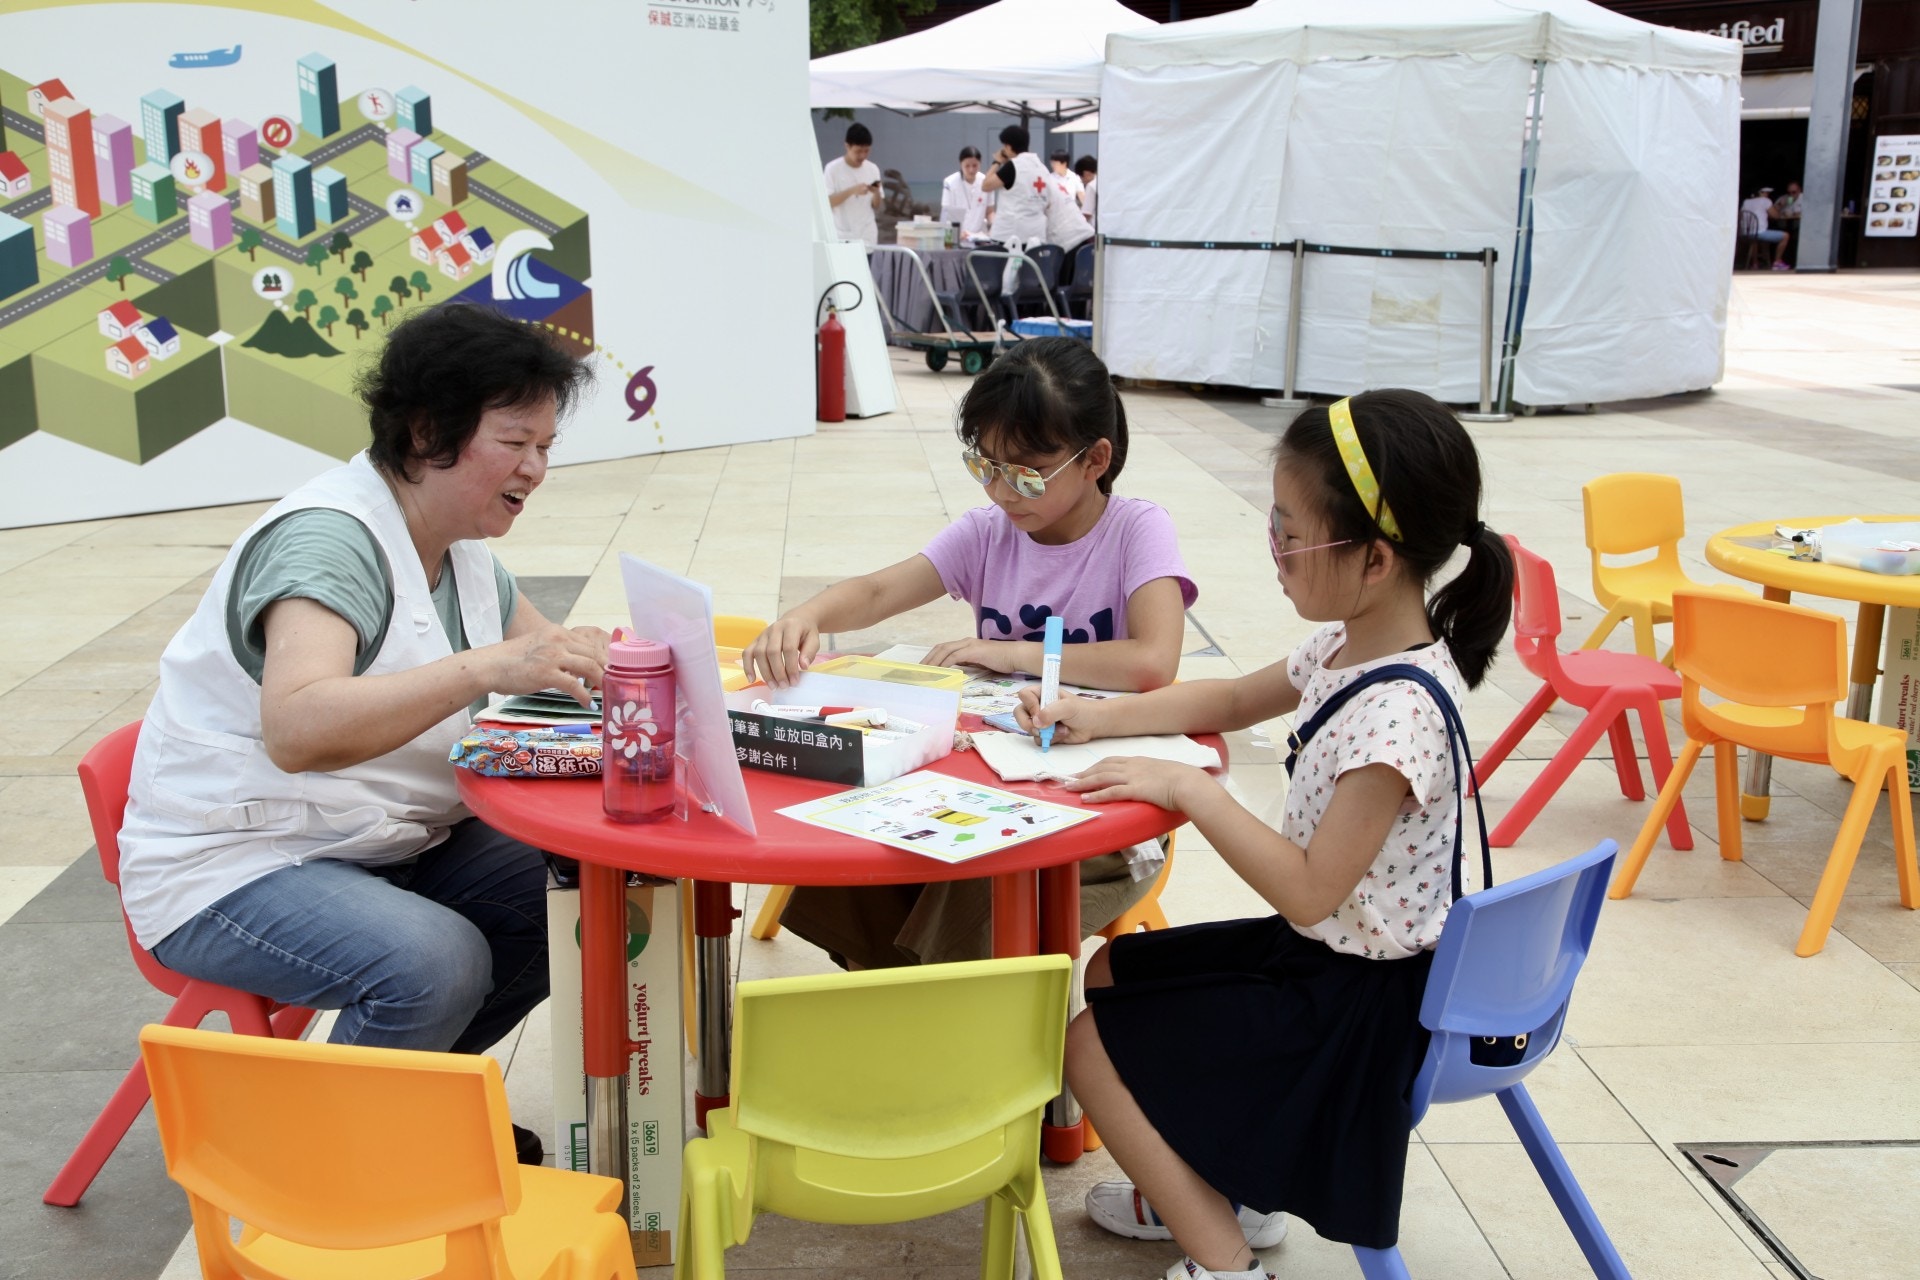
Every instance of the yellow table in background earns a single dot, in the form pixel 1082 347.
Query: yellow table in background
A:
pixel 1779 577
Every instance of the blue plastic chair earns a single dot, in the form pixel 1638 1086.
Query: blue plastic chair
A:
pixel 1079 286
pixel 1505 967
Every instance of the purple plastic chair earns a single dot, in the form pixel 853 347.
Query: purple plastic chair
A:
pixel 1505 967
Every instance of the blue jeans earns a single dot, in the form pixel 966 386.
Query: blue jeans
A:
pixel 447 952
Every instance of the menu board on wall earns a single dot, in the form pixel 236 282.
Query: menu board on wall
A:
pixel 1893 186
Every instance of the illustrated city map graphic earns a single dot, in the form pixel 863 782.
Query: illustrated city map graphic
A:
pixel 163 267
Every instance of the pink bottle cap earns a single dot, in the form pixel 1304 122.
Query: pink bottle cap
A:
pixel 637 651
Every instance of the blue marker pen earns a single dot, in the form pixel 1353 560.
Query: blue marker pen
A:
pixel 1050 674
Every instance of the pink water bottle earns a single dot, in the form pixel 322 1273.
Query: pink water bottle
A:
pixel 637 695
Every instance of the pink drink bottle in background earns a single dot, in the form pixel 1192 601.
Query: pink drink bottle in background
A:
pixel 637 694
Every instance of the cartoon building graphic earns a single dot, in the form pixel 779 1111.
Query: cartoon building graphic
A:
pixel 319 96
pixel 159 337
pixel 256 194
pixel 210 221
pixel 455 261
pixel 426 243
pixel 450 225
pixel 200 131
pixel 424 154
pixel 160 113
pixel 153 197
pixel 240 145
pixel 69 235
pixel 121 320
pixel 70 156
pixel 41 94
pixel 400 145
pixel 128 358
pixel 449 178
pixel 479 242
pixel 414 110
pixel 330 195
pixel 113 159
pixel 293 196
pixel 18 267
pixel 15 180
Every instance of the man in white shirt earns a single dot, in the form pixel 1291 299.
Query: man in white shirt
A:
pixel 962 202
pixel 1760 205
pixel 1020 210
pixel 1064 175
pixel 853 188
pixel 1089 170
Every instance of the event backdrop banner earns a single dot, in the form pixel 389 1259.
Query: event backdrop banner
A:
pixel 210 213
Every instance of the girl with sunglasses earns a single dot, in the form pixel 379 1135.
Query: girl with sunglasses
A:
pixel 1045 433
pixel 1242 1068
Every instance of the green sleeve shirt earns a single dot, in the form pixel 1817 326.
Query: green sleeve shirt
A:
pixel 327 556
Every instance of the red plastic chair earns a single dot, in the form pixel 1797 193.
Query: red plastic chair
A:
pixel 1604 684
pixel 104 774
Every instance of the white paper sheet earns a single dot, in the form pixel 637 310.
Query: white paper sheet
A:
pixel 1016 758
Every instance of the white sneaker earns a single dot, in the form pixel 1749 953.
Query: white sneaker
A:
pixel 1188 1269
pixel 1121 1209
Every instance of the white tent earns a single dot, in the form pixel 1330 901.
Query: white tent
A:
pixel 1045 54
pixel 1598 150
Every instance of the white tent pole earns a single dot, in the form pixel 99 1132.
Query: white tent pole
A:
pixel 1520 268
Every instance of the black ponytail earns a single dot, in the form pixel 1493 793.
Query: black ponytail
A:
pixel 1044 396
pixel 1429 476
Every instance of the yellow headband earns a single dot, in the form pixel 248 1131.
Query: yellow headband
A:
pixel 1340 417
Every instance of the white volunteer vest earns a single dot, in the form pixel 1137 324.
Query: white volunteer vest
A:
pixel 1020 213
pixel 208 811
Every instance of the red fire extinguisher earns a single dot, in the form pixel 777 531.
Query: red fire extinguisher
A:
pixel 830 349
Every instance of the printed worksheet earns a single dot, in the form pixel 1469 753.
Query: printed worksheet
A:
pixel 938 816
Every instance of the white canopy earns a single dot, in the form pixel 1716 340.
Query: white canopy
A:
pixel 1046 53
pixel 1378 125
pixel 1304 31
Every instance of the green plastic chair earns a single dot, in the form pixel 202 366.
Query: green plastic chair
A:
pixel 884 1096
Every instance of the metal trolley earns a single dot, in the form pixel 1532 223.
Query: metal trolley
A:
pixel 975 350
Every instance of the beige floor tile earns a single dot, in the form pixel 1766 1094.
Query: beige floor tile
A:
pixel 1802 1194
pixel 18 885
pixel 1764 1092
pixel 1657 1217
pixel 45 638
pixel 1721 971
pixel 1575 1104
pixel 45 819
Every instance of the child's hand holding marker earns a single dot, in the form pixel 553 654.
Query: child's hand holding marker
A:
pixel 1073 719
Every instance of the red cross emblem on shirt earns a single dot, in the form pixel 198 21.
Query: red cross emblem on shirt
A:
pixel 1040 186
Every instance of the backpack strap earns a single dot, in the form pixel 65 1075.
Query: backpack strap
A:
pixel 1456 747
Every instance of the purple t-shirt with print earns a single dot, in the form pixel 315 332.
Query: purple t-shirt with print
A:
pixel 1014 583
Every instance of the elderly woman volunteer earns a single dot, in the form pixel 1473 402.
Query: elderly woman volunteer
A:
pixel 292 827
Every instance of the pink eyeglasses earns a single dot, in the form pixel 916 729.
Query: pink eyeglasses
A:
pixel 1274 538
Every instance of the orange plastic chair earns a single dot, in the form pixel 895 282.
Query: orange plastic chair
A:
pixel 1627 514
pixel 105 772
pixel 343 1161
pixel 1605 685
pixel 1780 669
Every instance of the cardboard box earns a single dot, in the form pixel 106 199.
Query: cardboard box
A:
pixel 830 753
pixel 656 1125
pixel 1900 684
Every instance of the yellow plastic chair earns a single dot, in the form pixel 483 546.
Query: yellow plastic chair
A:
pixel 348 1163
pixel 1629 513
pixel 884 1096
pixel 1779 669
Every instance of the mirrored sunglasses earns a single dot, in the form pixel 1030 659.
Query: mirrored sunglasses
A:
pixel 1024 481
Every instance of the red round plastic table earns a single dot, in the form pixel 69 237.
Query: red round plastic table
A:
pixel 1036 898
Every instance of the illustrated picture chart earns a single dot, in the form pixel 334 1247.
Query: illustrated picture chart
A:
pixel 1893 186
pixel 939 816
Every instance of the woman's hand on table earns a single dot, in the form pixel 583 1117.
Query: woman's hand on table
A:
pixel 1074 719
pixel 782 653
pixel 1002 656
pixel 1160 782
pixel 552 657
